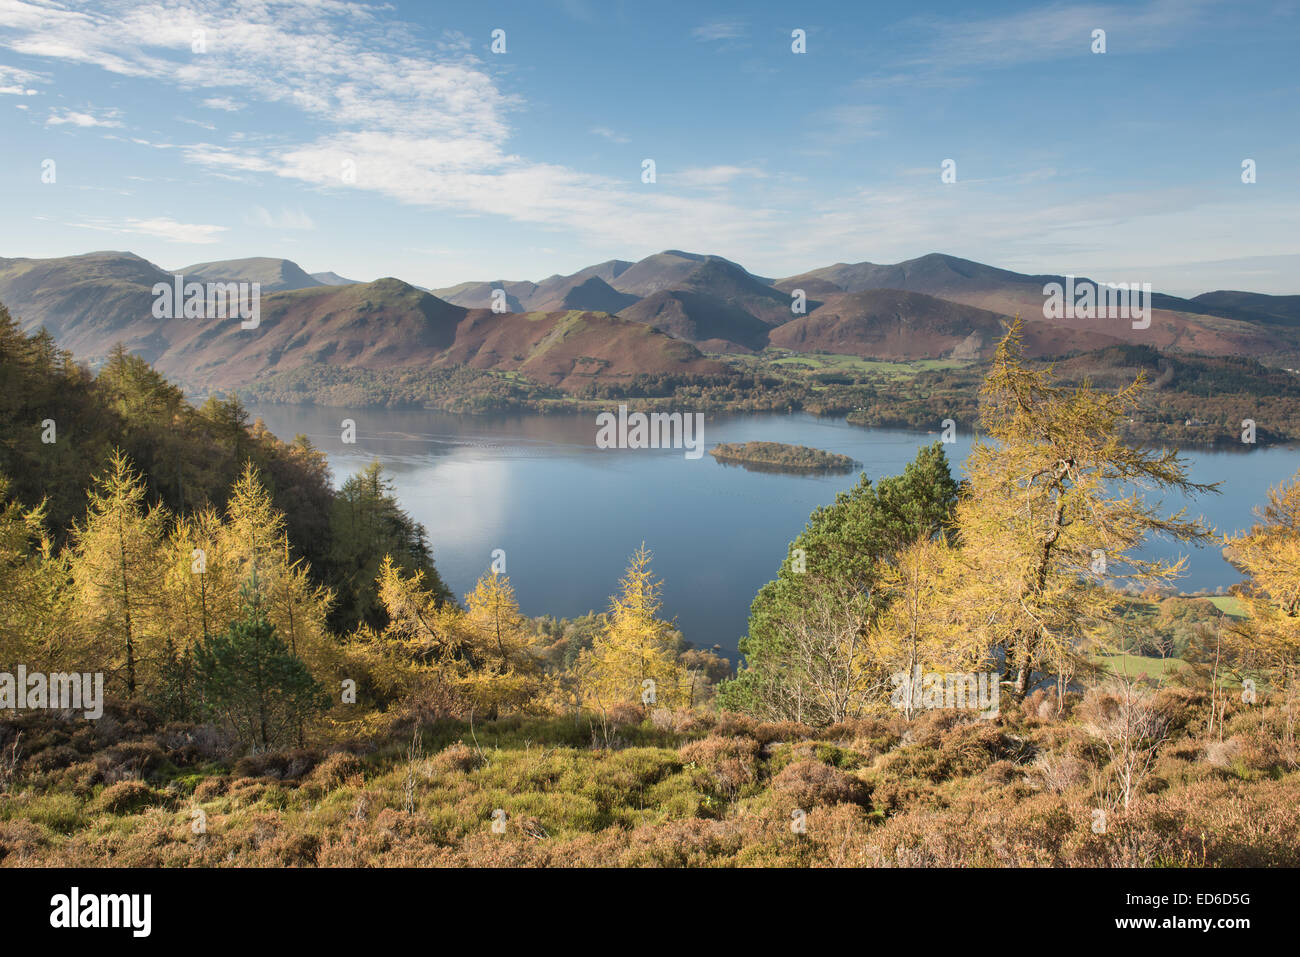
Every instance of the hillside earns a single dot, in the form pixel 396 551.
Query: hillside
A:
pixel 527 296
pixel 593 293
pixel 388 325
pixel 84 301
pixel 275 275
pixel 888 323
pixel 612 326
pixel 1175 323
pixel 1252 306
pixel 90 303
pixel 571 349
pixel 712 324
pixel 332 279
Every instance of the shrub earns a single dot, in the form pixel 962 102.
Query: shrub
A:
pixel 458 757
pixel 807 784
pixel 1056 773
pixel 129 760
pixel 210 788
pixel 731 763
pixel 335 770
pixel 279 765
pixel 128 797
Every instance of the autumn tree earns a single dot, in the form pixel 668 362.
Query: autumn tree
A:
pixel 253 546
pixel 423 652
pixel 1269 556
pixel 199 595
pixel 33 596
pixel 920 625
pixel 634 656
pixel 504 647
pixel 117 568
pixel 1054 509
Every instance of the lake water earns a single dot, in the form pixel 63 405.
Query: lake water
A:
pixel 568 514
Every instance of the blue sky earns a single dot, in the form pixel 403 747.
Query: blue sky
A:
pixel 471 164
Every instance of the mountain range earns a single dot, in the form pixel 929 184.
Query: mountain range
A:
pixel 606 322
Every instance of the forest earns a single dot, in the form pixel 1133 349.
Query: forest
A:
pixel 290 682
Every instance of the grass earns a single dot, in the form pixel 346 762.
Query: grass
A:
pixel 1230 605
pixel 1134 665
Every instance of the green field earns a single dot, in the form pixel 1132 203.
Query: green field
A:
pixel 1229 605
pixel 1133 665
pixel 826 362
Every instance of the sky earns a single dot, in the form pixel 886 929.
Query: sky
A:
pixel 394 140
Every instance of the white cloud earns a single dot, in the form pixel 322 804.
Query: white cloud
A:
pixel 74 118
pixel 16 82
pixel 711 175
pixel 158 228
pixel 223 103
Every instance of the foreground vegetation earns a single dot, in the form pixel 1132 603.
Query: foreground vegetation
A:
pixel 668 789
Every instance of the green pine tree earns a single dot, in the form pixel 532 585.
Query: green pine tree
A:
pixel 247 676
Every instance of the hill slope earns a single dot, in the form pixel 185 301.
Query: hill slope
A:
pixel 275 275
pixel 889 323
pixel 332 279
pixel 710 323
pixel 90 303
pixel 1175 323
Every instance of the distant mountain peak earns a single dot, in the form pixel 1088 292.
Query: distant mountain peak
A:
pixel 274 274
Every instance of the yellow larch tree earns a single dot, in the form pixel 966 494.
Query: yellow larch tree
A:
pixel 117 570
pixel 633 658
pixel 507 673
pixel 1269 556
pixel 252 547
pixel 1053 508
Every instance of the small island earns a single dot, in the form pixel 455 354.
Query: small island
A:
pixel 778 456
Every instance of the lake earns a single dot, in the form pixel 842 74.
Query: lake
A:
pixel 568 514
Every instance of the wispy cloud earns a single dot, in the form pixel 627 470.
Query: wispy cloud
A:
pixel 720 30
pixel 223 103
pixel 849 123
pixel 75 118
pixel 611 135
pixel 157 228
pixel 712 175
pixel 16 82
pixel 430 125
pixel 428 129
pixel 285 219
pixel 1051 32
